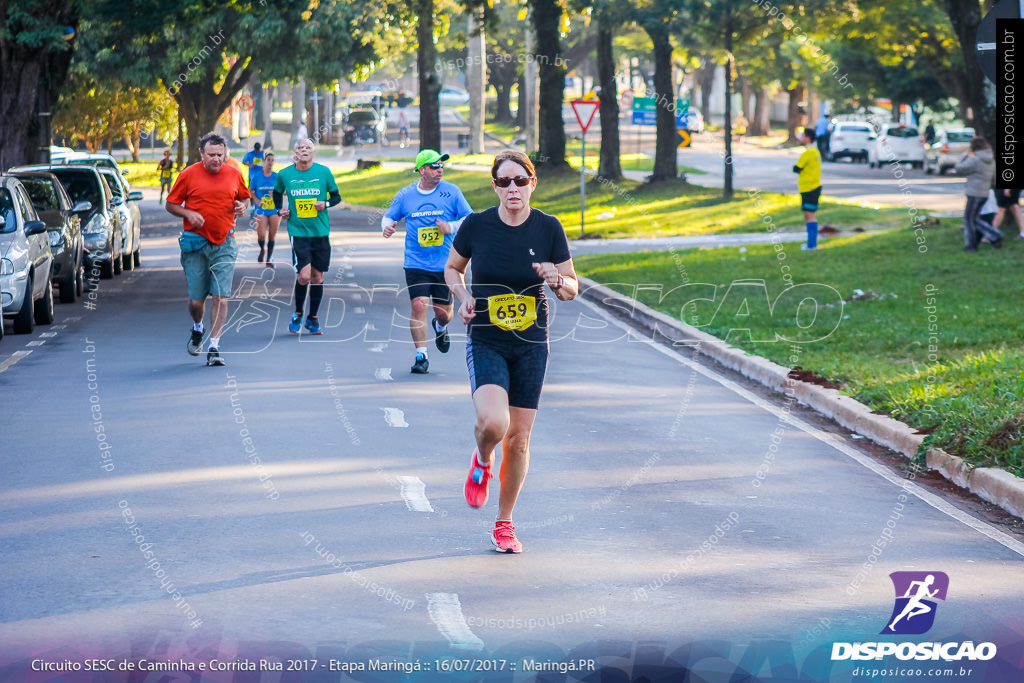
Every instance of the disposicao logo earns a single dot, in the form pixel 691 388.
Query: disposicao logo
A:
pixel 913 613
pixel 916 595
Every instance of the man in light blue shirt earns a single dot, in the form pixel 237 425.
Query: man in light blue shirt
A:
pixel 433 210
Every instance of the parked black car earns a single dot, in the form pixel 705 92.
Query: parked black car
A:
pixel 65 227
pixel 101 223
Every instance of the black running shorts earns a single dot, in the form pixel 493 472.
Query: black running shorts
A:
pixel 428 283
pixel 315 251
pixel 517 368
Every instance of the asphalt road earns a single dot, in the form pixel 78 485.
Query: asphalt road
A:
pixel 305 503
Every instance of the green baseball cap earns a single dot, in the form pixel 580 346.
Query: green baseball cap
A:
pixel 429 156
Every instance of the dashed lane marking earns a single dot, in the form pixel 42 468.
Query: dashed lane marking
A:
pixel 446 612
pixel 414 492
pixel 14 358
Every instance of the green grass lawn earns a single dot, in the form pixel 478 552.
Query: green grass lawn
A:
pixel 143 173
pixel 630 208
pixel 932 339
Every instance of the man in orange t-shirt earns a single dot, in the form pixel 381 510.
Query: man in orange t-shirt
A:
pixel 209 196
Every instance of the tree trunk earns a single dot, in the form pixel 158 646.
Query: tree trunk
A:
pixel 429 80
pixel 665 166
pixel 180 159
pixel 521 102
pixel 268 123
pixel 476 82
pixel 503 105
pixel 727 161
pixel 547 15
pixel 609 165
pixel 965 15
pixel 793 118
pixel 18 113
pixel 706 80
pixel 760 122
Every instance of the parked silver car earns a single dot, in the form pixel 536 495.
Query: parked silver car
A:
pixel 127 205
pixel 25 259
pixel 943 154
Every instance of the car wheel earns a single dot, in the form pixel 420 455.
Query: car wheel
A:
pixel 44 310
pixel 137 257
pixel 24 322
pixel 107 269
pixel 80 270
pixel 118 262
pixel 127 261
pixel 69 286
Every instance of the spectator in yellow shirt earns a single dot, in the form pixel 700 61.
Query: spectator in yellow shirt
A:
pixel 808 182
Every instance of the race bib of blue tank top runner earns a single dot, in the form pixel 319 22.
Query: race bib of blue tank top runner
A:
pixel 512 312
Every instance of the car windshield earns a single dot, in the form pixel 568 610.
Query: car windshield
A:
pixel 856 129
pixel 42 193
pixel 959 136
pixel 7 211
pixel 99 163
pixel 902 132
pixel 81 186
pixel 115 187
pixel 359 118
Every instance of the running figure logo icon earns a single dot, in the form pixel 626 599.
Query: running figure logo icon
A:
pixel 916 595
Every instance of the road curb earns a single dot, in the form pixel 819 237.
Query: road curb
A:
pixel 993 485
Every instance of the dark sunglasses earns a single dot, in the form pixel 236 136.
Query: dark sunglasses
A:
pixel 519 180
pixel 435 166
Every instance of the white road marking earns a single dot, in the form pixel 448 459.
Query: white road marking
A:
pixel 14 358
pixel 38 342
pixel 414 491
pixel 446 612
pixel 383 373
pixel 395 417
pixel 900 482
pixel 48 334
pixel 378 348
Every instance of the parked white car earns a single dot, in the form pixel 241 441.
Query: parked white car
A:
pixel 850 139
pixel 452 97
pixel 896 142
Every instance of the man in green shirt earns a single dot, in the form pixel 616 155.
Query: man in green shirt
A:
pixel 310 189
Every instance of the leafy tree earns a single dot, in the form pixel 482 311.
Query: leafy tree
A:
pixel 35 54
pixel 204 53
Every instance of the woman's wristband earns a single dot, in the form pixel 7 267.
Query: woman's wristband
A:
pixel 558 286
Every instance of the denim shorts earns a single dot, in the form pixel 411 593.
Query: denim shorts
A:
pixel 210 270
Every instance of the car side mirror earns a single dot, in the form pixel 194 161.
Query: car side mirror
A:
pixel 124 171
pixel 35 228
pixel 81 207
pixel 135 196
pixel 116 201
